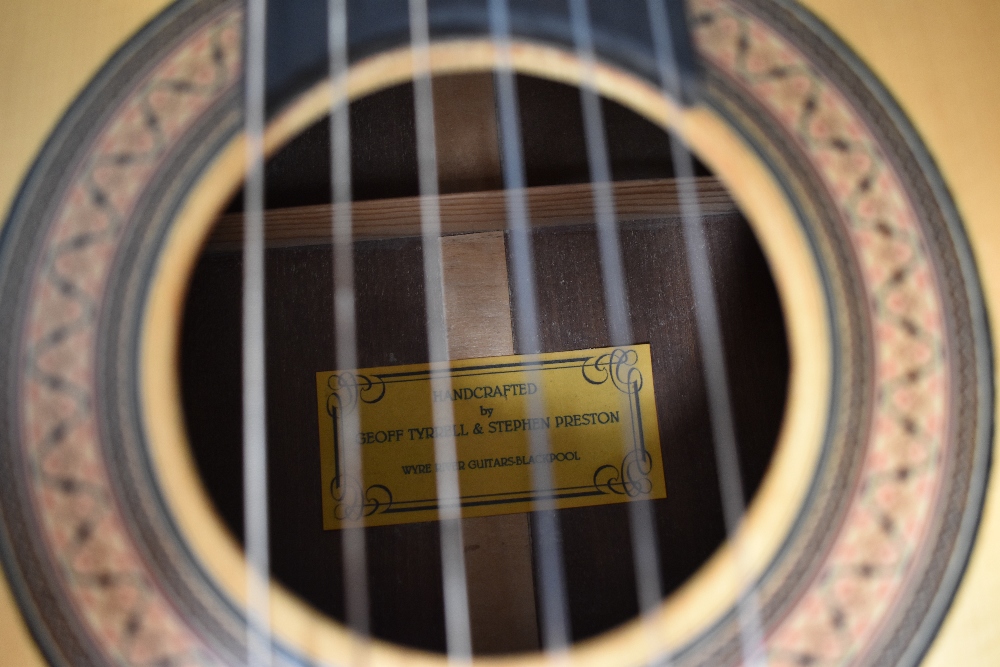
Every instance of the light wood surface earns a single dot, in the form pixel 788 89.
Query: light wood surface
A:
pixel 939 62
pixel 49 50
pixel 936 58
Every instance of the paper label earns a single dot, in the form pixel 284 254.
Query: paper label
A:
pixel 564 429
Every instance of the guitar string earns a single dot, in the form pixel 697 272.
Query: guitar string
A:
pixel 456 603
pixel 710 342
pixel 255 510
pixel 546 529
pixel 642 526
pixel 351 486
pixel 458 635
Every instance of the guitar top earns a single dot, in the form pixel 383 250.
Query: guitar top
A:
pixel 937 61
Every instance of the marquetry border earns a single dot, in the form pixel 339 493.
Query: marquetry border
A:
pixel 846 204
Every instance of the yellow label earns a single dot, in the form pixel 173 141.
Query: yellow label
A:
pixel 565 429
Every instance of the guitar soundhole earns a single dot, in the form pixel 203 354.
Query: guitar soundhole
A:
pixel 404 564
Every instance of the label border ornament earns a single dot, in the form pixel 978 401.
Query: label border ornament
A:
pixel 617 366
pixel 631 478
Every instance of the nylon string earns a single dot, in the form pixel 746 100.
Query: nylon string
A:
pixel 642 526
pixel 711 344
pixel 555 625
pixel 456 601
pixel 352 535
pixel 555 620
pixel 255 511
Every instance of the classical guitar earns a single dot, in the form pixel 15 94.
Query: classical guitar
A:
pixel 400 333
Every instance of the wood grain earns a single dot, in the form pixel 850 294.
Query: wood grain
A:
pixel 49 50
pixel 949 94
pixel 498 563
pixel 403 561
pixel 597 553
pixel 477 297
pixel 938 61
pixel 465 129
pixel 553 205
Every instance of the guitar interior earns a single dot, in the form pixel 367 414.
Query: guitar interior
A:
pixel 404 562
